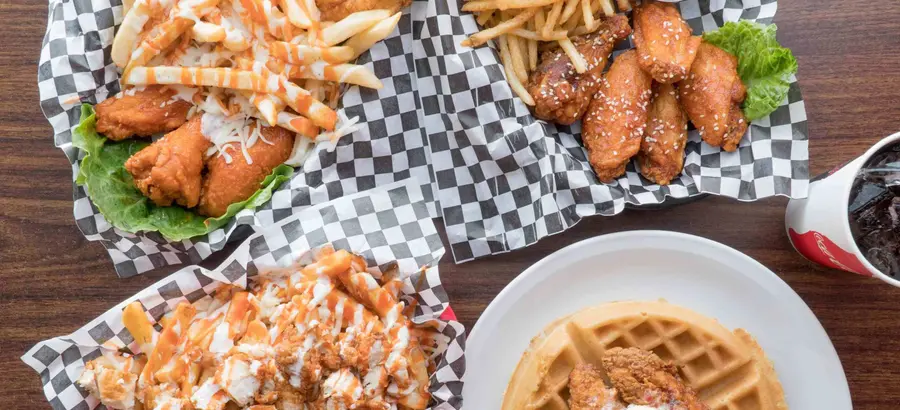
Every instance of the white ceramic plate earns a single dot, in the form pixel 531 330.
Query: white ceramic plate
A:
pixel 690 271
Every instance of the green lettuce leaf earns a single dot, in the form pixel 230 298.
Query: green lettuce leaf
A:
pixel 764 65
pixel 112 190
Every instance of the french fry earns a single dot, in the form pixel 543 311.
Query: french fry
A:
pixel 479 5
pixel 483 36
pixel 571 6
pixel 576 57
pixel 552 19
pixel 367 38
pixel 208 32
pixel 169 31
pixel 515 51
pixel 531 35
pixel 297 14
pixel 532 54
pixel 484 17
pixel 303 54
pixel 135 320
pixel 127 37
pixel 351 25
pixel 587 13
pixel 607 7
pixel 300 125
pixel 342 73
pixel 522 4
pixel 624 5
pixel 511 77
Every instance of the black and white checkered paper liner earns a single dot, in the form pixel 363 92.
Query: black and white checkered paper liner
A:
pixel 76 67
pixel 504 180
pixel 385 225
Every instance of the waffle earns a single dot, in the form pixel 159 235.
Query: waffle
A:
pixel 727 369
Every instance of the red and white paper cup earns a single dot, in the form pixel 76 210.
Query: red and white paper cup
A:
pixel 819 226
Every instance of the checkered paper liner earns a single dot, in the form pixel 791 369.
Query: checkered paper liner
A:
pixel 504 179
pixel 387 225
pixel 76 67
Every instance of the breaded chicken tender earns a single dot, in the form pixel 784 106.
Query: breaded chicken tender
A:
pixel 616 118
pixel 226 183
pixel 587 390
pixel 642 378
pixel 169 170
pixel 152 110
pixel 336 10
pixel 561 95
pixel 712 95
pixel 665 46
pixel 662 150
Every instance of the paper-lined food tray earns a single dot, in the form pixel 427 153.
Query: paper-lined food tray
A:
pixel 505 180
pixel 388 225
pixel 75 68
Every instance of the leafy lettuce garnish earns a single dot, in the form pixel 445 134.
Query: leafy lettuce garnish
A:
pixel 764 65
pixel 112 189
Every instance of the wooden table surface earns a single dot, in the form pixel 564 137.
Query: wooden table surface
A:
pixel 52 280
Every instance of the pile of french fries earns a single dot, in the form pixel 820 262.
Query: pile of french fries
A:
pixel 521 25
pixel 279 55
pixel 324 335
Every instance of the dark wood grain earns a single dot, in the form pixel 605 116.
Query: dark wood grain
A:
pixel 52 280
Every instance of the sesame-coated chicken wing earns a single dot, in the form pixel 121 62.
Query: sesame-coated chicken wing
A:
pixel 561 95
pixel 662 149
pixel 152 110
pixel 169 169
pixel 642 378
pixel 712 95
pixel 228 182
pixel 588 391
pixel 664 43
pixel 616 118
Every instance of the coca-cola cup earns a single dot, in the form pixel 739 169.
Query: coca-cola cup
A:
pixel 819 226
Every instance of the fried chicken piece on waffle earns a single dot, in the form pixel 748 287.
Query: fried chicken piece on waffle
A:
pixel 588 391
pixel 561 95
pixel 152 110
pixel 642 378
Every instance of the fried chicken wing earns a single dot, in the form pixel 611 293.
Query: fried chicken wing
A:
pixel 152 110
pixel 642 378
pixel 561 95
pixel 335 10
pixel 664 43
pixel 226 183
pixel 662 150
pixel 588 391
pixel 712 95
pixel 169 169
pixel 616 118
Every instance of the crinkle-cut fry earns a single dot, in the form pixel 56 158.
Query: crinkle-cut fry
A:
pixel 511 77
pixel 169 31
pixel 624 5
pixel 304 54
pixel 331 265
pixel 352 25
pixel 522 4
pixel 552 19
pixel 135 320
pixel 516 52
pixel 168 340
pixel 483 36
pixel 205 32
pixel 341 73
pixel 576 57
pixel 299 124
pixel 127 36
pixel 531 35
pixel 365 39
pixel 568 11
pixel 607 7
pixel 479 5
